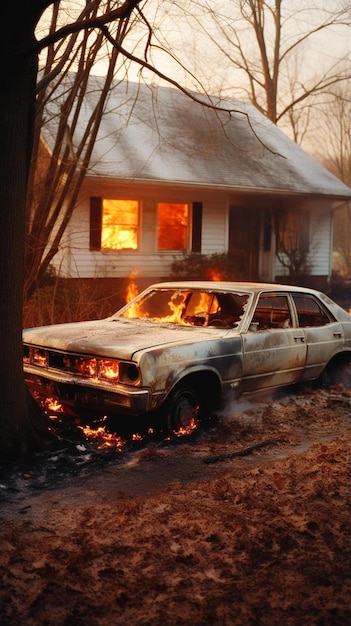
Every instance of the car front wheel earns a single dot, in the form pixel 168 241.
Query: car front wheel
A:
pixel 183 411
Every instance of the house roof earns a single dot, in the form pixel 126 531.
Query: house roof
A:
pixel 158 134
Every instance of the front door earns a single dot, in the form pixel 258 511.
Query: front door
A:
pixel 243 245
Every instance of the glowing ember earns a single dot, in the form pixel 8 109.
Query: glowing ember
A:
pixel 137 437
pixel 188 429
pixel 49 405
pixel 107 440
pixel 55 406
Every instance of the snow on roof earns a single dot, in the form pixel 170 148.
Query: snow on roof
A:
pixel 158 134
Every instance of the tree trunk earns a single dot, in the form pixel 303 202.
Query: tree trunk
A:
pixel 21 423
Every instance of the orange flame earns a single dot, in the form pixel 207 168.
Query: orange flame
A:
pixel 131 292
pixel 214 274
pixel 107 440
pixel 132 288
pixel 51 406
pixel 177 310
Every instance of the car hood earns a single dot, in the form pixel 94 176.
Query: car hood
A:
pixel 119 338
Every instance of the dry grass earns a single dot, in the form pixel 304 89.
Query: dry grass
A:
pixel 58 303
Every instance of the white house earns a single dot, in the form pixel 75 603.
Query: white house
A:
pixel 169 176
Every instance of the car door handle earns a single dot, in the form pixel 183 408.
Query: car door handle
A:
pixel 300 339
pixel 337 335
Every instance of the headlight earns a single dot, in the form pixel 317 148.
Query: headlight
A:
pixel 129 373
pixel 81 365
pixel 26 354
pixel 108 369
pixel 119 371
pixel 39 357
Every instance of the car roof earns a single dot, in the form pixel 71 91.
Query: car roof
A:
pixel 251 287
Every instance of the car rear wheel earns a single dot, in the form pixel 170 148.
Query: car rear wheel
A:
pixel 337 371
pixel 183 411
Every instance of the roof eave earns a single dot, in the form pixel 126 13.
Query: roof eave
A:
pixel 223 187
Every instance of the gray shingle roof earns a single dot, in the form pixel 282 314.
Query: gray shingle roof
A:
pixel 158 134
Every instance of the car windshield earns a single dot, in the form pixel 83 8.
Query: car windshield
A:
pixel 189 307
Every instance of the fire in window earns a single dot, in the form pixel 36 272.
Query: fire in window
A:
pixel 119 225
pixel 172 226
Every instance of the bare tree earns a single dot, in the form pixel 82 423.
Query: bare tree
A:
pixel 56 175
pixel 265 43
pixel 293 247
pixel 24 215
pixel 63 85
pixel 22 426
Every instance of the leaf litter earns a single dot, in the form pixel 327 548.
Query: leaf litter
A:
pixel 153 534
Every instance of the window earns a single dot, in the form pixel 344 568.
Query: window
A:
pixel 309 312
pixel 119 224
pixel 114 224
pixel 191 308
pixel 272 311
pixel 172 226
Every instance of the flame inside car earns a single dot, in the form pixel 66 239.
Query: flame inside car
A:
pixel 186 307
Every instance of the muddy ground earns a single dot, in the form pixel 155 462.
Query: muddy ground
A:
pixel 247 523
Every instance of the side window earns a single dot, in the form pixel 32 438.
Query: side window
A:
pixel 310 312
pixel 272 311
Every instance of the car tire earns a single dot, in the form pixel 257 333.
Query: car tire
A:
pixel 336 373
pixel 183 411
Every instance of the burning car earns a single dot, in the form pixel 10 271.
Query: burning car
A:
pixel 184 349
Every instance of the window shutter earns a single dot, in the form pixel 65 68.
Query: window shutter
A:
pixel 95 223
pixel 196 231
pixel 305 232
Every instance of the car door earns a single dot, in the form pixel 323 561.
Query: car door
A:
pixel 274 350
pixel 323 334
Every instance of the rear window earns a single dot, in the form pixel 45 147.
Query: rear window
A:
pixel 310 312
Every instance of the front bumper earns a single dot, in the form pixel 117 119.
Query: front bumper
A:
pixel 80 394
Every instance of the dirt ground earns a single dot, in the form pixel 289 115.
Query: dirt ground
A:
pixel 247 523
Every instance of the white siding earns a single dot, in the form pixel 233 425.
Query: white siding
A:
pixel 215 227
pixel 76 260
pixel 320 252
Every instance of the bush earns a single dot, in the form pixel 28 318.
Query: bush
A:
pixel 195 266
pixel 57 304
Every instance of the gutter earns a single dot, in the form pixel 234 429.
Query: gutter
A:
pixel 216 187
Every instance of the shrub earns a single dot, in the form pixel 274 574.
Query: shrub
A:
pixel 195 265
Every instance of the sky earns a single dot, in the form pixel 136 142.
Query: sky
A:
pixel 188 29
